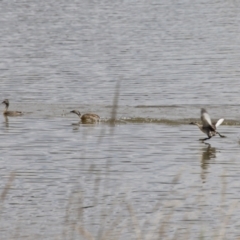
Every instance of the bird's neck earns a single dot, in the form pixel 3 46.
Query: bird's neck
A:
pixel 6 108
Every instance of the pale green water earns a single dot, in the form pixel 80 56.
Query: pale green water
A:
pixel 172 59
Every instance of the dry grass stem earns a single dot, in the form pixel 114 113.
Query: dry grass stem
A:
pixel 7 186
pixel 115 103
pixel 135 222
pixel 86 234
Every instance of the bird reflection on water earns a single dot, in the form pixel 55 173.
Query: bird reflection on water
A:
pixel 208 154
pixel 6 121
pixel 79 124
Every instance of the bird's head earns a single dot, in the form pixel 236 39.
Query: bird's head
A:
pixel 76 112
pixel 6 102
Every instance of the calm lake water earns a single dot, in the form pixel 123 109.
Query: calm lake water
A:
pixel 147 176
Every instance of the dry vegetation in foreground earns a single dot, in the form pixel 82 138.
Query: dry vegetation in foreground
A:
pixel 117 218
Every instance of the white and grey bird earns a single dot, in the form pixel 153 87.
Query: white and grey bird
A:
pixel 207 127
pixel 10 113
pixel 87 117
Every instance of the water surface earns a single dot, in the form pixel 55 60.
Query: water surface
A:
pixel 171 59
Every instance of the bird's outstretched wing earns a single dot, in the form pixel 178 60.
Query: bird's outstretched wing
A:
pixel 219 122
pixel 206 120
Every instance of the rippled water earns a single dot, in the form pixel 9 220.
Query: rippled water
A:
pixel 148 169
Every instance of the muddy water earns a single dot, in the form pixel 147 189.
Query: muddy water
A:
pixel 146 170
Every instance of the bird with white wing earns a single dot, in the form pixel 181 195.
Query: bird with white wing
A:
pixel 207 126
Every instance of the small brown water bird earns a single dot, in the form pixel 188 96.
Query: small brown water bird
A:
pixel 10 113
pixel 207 126
pixel 87 117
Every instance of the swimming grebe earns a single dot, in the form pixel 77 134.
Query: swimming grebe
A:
pixel 207 127
pixel 10 113
pixel 87 117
